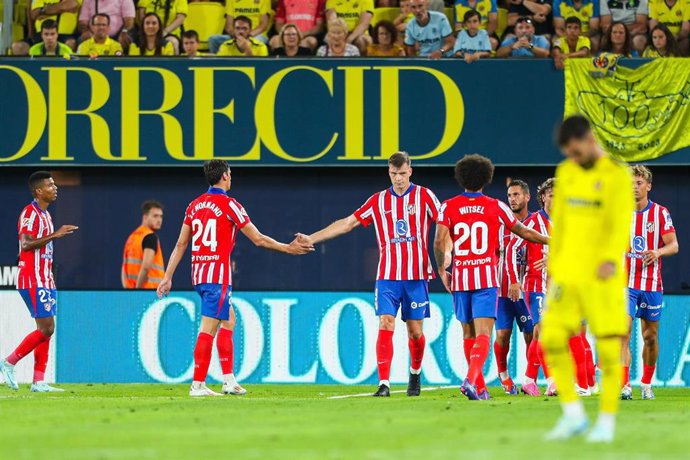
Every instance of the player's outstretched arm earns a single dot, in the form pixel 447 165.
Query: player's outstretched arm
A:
pixel 337 228
pixel 30 243
pixel 442 242
pixel 529 234
pixel 295 248
pixel 180 248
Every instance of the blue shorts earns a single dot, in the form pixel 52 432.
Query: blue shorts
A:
pixel 412 297
pixel 216 300
pixel 42 302
pixel 535 304
pixel 481 303
pixel 645 304
pixel 508 311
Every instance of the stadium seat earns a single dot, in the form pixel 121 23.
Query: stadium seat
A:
pixel 388 14
pixel 502 22
pixel 207 18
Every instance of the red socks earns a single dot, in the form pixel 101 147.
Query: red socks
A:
pixel 224 345
pixel 533 363
pixel 384 354
pixel 589 361
pixel 577 349
pixel 28 345
pixel 626 375
pixel 501 355
pixel 416 352
pixel 467 346
pixel 41 353
pixel 647 374
pixel 478 355
pixel 202 356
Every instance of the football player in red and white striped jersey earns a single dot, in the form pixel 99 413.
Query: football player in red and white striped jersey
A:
pixel 652 237
pixel 401 216
pixel 36 283
pixel 472 222
pixel 211 223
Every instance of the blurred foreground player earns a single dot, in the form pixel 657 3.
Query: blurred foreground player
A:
pixel 211 223
pixel 651 238
pixel 593 198
pixel 402 215
pixel 471 223
pixel 35 282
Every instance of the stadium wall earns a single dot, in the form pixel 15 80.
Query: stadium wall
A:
pixel 282 337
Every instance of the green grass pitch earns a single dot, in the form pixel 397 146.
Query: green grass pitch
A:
pixel 300 422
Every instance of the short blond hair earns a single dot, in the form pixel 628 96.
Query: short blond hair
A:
pixel 643 172
pixel 338 23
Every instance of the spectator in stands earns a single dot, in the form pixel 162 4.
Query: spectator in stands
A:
pixel 307 15
pixel 172 14
pixel 472 42
pixel 190 44
pixel 42 10
pixel 336 41
pixel 631 13
pixel 488 14
pixel 538 11
pixel 675 15
pixel 49 45
pixel 290 39
pixel 524 43
pixel 617 40
pixel 100 43
pixel 151 41
pixel 120 12
pixel 357 15
pixel 429 33
pixel 587 11
pixel 385 41
pixel 573 45
pixel 258 12
pixel 663 43
pixel 402 20
pixel 243 44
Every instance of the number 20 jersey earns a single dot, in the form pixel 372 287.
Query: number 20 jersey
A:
pixel 214 219
pixel 475 221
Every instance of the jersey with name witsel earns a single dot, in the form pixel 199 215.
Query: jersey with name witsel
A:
pixel 649 226
pixel 475 221
pixel 534 280
pixel 402 225
pixel 35 265
pixel 214 219
pixel 504 281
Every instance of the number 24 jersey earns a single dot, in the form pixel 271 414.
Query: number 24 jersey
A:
pixel 475 221
pixel 214 219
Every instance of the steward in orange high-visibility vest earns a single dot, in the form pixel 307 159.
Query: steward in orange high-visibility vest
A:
pixel 143 266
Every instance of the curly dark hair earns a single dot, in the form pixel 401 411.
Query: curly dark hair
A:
pixel 390 28
pixel 474 172
pixel 545 188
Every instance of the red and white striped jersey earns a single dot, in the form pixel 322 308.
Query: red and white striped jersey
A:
pixel 504 282
pixel 214 218
pixel 36 265
pixel 649 225
pixel 534 280
pixel 402 229
pixel 474 221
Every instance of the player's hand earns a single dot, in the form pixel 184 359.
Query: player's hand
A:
pixel 65 230
pixel 514 291
pixel 302 238
pixel 540 264
pixel 606 270
pixel 445 279
pixel 649 257
pixel 297 248
pixel 164 287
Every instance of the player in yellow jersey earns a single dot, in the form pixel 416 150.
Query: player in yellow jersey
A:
pixel 591 217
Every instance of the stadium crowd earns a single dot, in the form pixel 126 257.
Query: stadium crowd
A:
pixel 466 29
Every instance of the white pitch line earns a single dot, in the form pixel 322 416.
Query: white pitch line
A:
pixel 361 395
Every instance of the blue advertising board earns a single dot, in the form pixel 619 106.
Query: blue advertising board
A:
pixel 292 337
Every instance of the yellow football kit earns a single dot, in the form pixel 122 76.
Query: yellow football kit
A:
pixel 672 17
pixel 350 10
